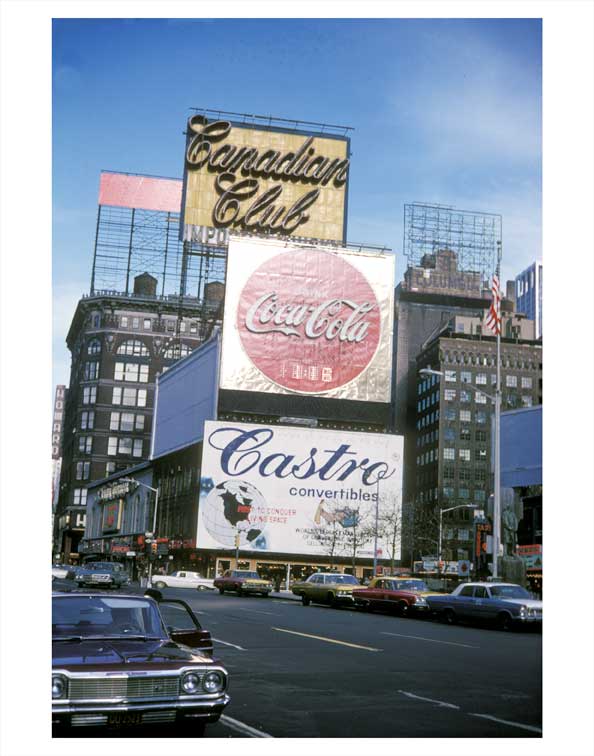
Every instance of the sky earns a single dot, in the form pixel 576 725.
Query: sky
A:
pixel 443 111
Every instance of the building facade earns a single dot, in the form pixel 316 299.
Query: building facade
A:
pixel 453 424
pixel 529 295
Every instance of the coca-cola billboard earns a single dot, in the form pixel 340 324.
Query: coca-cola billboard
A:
pixel 307 320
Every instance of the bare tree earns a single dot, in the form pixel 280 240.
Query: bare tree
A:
pixel 359 534
pixel 389 528
pixel 421 522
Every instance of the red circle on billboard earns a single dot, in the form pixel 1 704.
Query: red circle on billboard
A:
pixel 309 321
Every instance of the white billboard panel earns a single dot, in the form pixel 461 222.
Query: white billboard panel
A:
pixel 299 491
pixel 308 320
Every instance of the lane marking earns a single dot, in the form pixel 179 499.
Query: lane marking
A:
pixel 507 722
pixel 225 643
pixel 431 700
pixel 431 640
pixel 258 611
pixel 234 724
pixel 286 602
pixel 327 640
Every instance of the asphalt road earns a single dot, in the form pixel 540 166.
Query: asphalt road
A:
pixel 314 671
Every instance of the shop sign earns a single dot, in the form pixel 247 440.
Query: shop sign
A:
pixel 115 491
pixel 307 320
pixel 531 556
pixel 277 490
pixel 112 515
pixel 264 181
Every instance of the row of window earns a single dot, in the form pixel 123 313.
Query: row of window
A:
pixel 465 434
pixel 488 360
pixel 449 395
pixel 125 445
pixel 126 421
pixel 449 492
pixel 449 452
pixel 132 372
pixel 147 324
pixel 128 397
pixel 480 475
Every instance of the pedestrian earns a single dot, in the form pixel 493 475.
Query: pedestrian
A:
pixel 277 583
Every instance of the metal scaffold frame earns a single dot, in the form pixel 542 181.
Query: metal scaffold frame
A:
pixel 473 236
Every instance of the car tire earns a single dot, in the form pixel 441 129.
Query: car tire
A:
pixel 239 590
pixel 449 617
pixel 201 588
pixel 221 590
pixel 160 585
pixel 402 609
pixel 504 622
pixel 331 599
pixel 305 600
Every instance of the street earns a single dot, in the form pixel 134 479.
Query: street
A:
pixel 314 671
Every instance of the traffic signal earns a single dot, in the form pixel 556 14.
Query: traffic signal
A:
pixel 154 547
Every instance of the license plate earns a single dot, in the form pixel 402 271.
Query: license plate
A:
pixel 118 718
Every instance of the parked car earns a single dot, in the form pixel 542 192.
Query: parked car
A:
pixel 405 596
pixel 183 579
pixel 505 604
pixel 331 588
pixel 124 661
pixel 62 572
pixel 242 582
pixel 107 574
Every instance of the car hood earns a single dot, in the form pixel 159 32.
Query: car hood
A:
pixel 121 651
pixel 530 603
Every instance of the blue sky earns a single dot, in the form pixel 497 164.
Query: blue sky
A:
pixel 443 111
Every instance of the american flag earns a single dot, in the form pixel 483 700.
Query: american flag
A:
pixel 493 318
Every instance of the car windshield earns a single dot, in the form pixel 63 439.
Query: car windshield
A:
pixel 245 574
pixel 92 616
pixel 344 580
pixel 509 591
pixel 105 566
pixel 411 585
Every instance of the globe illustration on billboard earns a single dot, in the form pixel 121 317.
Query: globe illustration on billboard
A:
pixel 229 510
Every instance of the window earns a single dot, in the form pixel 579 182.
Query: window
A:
pixel 449 453
pixel 511 381
pixel 147 324
pixel 109 468
pixel 130 371
pixel 449 434
pixel 141 398
pixel 133 348
pixel 91 371
pixel 129 397
pixel 193 328
pixel 125 446
pixel 465 416
pixel 83 470
pixel 94 346
pixel 450 413
pixel 448 492
pixel 480 417
pixel 79 498
pixel 464 396
pixel 135 322
pixel 139 422
pixel 182 326
pixel 450 375
pixel 464 474
pixel 464 454
pixel 112 446
pixel 177 351
pixel 480 435
pixel 463 493
pixel 527 401
pixel 89 394
pixel 137 451
pixel 480 455
pixel 481 379
pixel 479 494
pixel 170 325
pixel 448 473
pixel 87 420
pixel 124 321
pixel 526 382
pixel 480 475
pixel 126 421
pixel 85 444
pixel 466 377
pixel 449 395
pixel 464 434
pixel 480 398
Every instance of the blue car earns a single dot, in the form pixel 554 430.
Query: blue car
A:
pixel 505 604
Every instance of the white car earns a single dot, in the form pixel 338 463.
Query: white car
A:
pixel 62 572
pixel 183 579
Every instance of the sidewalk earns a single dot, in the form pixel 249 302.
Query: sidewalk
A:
pixel 286 595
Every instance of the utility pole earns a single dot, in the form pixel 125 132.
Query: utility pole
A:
pixel 496 439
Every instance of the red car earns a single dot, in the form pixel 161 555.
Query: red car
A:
pixel 405 596
pixel 242 582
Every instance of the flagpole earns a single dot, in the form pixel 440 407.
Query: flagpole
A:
pixel 497 434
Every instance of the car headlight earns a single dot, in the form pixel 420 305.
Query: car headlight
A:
pixel 420 600
pixel 190 682
pixel 59 686
pixel 213 682
pixel 79 577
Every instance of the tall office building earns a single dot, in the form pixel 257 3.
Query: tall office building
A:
pixel 529 295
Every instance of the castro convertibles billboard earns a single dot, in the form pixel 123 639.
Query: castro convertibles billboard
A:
pixel 264 180
pixel 310 320
pixel 293 490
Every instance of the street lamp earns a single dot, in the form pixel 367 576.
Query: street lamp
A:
pixel 449 509
pixel 496 400
pixel 156 492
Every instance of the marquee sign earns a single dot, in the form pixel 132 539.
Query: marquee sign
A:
pixel 307 320
pixel 282 491
pixel 264 181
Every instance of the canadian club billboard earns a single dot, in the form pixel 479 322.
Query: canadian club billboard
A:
pixel 264 181
pixel 299 492
pixel 303 319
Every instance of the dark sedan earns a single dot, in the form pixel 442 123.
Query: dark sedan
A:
pixel 128 661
